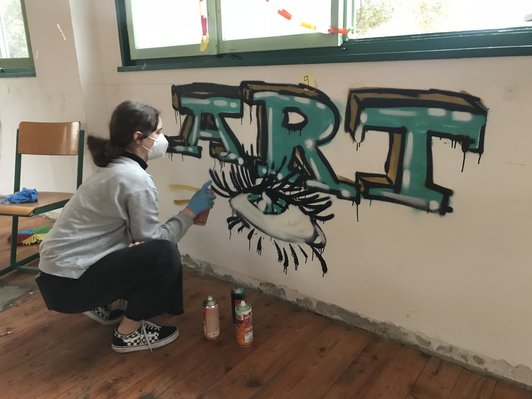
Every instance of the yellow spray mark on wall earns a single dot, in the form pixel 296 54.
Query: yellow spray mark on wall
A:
pixel 182 187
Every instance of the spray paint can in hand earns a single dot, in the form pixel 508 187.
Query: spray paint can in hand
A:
pixel 237 295
pixel 244 324
pixel 211 318
pixel 201 218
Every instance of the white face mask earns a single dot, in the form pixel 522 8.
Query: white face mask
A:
pixel 159 147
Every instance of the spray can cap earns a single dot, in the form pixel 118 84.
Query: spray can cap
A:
pixel 238 289
pixel 210 301
pixel 243 306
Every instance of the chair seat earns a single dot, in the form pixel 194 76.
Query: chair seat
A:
pixel 48 200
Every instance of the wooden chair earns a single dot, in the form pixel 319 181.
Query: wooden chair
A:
pixel 41 138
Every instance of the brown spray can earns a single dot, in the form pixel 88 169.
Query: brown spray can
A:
pixel 201 219
pixel 238 295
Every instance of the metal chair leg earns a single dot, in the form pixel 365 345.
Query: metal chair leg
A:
pixel 13 264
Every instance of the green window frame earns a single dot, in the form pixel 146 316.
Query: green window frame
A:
pixel 23 66
pixel 464 44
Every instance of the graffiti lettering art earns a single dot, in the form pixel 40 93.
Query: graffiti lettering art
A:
pixel 280 188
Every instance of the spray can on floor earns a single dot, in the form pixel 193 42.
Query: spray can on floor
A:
pixel 211 318
pixel 244 324
pixel 237 296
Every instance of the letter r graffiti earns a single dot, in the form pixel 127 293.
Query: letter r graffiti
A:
pixel 287 146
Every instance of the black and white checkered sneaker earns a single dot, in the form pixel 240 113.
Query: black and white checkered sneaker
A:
pixel 105 315
pixel 147 336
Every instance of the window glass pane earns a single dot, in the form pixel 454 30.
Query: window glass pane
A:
pixel 246 19
pixel 13 42
pixel 376 18
pixel 165 23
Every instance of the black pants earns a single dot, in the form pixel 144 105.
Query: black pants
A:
pixel 148 275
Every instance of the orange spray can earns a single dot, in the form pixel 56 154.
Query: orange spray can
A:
pixel 244 324
pixel 201 218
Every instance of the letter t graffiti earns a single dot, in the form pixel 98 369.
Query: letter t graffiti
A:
pixel 412 118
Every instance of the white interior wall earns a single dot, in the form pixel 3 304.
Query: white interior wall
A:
pixel 457 281
pixel 53 96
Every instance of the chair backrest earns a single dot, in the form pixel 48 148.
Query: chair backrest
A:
pixel 49 138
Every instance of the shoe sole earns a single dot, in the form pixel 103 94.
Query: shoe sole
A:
pixel 92 316
pixel 158 344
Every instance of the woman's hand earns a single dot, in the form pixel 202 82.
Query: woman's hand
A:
pixel 202 200
pixel 135 243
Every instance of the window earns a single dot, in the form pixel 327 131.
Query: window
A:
pixel 159 34
pixel 379 18
pixel 169 28
pixel 15 49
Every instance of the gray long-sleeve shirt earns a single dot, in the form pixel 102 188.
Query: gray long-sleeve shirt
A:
pixel 115 206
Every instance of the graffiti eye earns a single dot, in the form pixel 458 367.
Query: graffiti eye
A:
pixel 281 209
pixel 267 204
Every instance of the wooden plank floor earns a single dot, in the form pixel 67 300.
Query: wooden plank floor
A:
pixel 296 354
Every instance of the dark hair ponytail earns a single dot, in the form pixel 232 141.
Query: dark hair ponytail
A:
pixel 127 118
pixel 102 150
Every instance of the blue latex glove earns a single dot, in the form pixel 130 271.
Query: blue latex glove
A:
pixel 24 195
pixel 202 200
